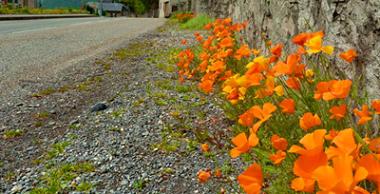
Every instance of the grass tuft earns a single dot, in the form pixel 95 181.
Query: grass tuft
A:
pixel 196 23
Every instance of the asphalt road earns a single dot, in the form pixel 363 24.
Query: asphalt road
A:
pixel 35 49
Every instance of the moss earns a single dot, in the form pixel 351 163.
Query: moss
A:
pixel 45 92
pixel 57 149
pixel 9 134
pixel 58 179
pixel 42 115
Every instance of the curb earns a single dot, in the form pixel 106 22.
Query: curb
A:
pixel 33 17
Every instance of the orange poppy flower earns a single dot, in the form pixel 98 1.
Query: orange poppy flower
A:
pixel 311 157
pixel 364 115
pixel 269 89
pixel 291 67
pixel 218 173
pixel 339 178
pixel 205 147
pixel 226 43
pixel 246 119
pixel 279 143
pixel 340 88
pixel 374 145
pixel 206 85
pixel 293 83
pixel 360 190
pixel 208 26
pixel 262 114
pixel 251 179
pixel 308 120
pixel 349 55
pixel 300 39
pixel 334 89
pixel 243 51
pixel 376 106
pixel 276 50
pixel 338 112
pixel 332 134
pixel 344 143
pixel 256 52
pixel 303 184
pixel 243 144
pixel 287 105
pixel 203 176
pixel 301 50
pixel 278 157
pixel 314 44
pixel 227 74
pixel 371 162
pixel 184 42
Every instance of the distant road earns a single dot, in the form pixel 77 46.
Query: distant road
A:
pixel 32 49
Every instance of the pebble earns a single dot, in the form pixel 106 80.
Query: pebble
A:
pixel 100 106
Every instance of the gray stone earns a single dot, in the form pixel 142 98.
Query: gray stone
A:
pixel 99 107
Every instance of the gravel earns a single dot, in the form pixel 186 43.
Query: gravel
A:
pixel 141 143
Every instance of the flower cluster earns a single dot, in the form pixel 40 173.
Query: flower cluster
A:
pixel 283 98
pixel 183 17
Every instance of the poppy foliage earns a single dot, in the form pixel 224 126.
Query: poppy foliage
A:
pixel 291 113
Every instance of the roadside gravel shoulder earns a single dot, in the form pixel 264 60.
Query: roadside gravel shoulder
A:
pixel 146 140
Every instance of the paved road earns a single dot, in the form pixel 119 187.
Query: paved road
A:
pixel 35 49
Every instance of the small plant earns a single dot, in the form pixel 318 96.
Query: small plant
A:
pixel 42 115
pixel 12 133
pixel 196 23
pixel 46 92
pixel 57 148
pixel 9 176
pixel 139 184
pixel 58 179
pixel 84 187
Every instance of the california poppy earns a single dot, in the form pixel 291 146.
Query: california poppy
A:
pixel 278 157
pixel 279 143
pixel 374 145
pixel 339 178
pixel 262 114
pixel 311 157
pixel 203 176
pixel 364 114
pixel 308 120
pixel 287 105
pixel 251 179
pixel 206 85
pixel 205 147
pixel 332 89
pixel 314 45
pixel 218 173
pixel 338 112
pixel 243 51
pixel 376 106
pixel 293 83
pixel 276 50
pixel 371 162
pixel 331 135
pixel 226 42
pixel 303 184
pixel 344 143
pixel 243 144
pixel 292 67
pixel 300 39
pixel 349 55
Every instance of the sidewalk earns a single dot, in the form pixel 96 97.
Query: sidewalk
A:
pixel 42 16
